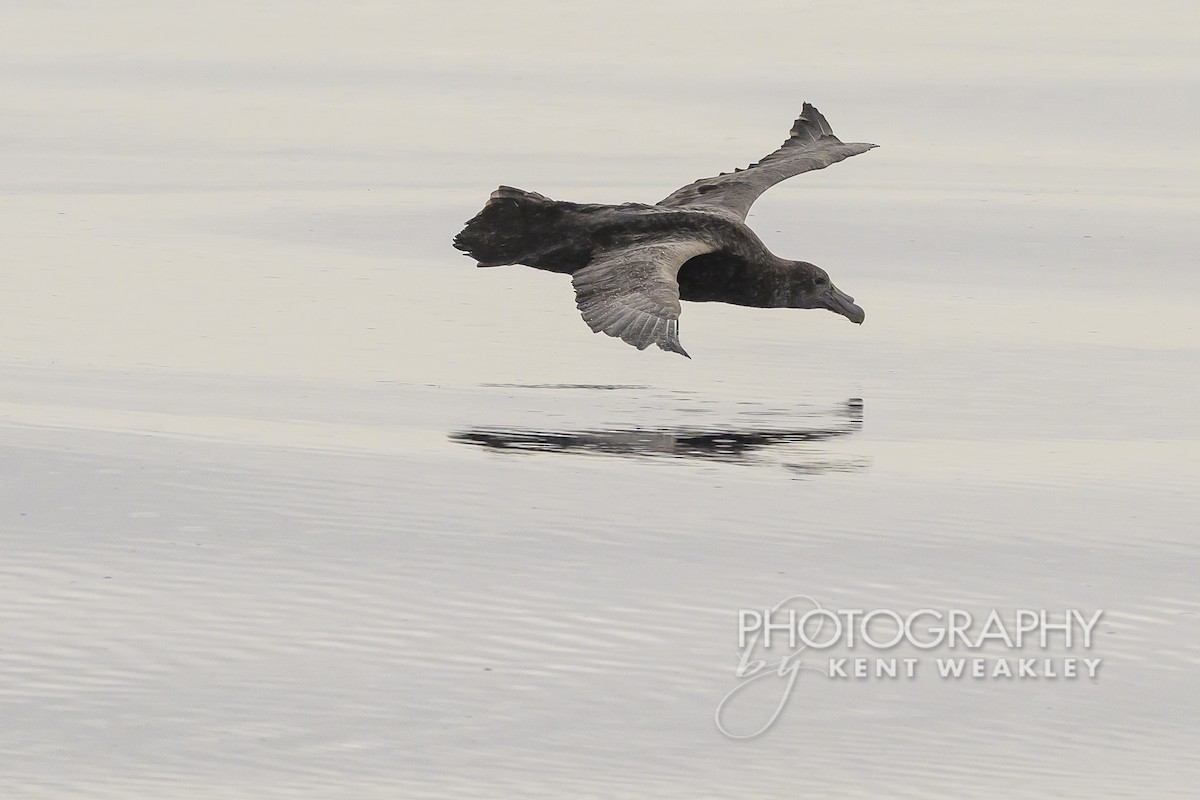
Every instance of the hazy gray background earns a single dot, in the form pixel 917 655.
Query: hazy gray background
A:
pixel 261 540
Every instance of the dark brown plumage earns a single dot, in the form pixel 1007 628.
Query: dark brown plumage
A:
pixel 631 264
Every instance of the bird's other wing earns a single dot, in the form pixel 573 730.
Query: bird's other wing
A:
pixel 632 292
pixel 810 146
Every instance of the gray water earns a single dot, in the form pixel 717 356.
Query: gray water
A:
pixel 296 502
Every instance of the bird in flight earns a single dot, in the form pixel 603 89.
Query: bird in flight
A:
pixel 632 263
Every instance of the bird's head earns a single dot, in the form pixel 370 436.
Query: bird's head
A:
pixel 810 287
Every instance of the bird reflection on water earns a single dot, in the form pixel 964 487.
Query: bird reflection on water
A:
pixel 792 447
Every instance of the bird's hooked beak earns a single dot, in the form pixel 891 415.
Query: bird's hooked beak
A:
pixel 838 301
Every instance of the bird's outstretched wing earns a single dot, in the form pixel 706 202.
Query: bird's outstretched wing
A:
pixel 811 145
pixel 632 292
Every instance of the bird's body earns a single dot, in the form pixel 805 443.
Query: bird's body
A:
pixel 631 264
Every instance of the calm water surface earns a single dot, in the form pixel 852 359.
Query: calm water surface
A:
pixel 297 503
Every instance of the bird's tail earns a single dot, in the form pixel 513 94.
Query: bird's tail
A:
pixel 510 228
